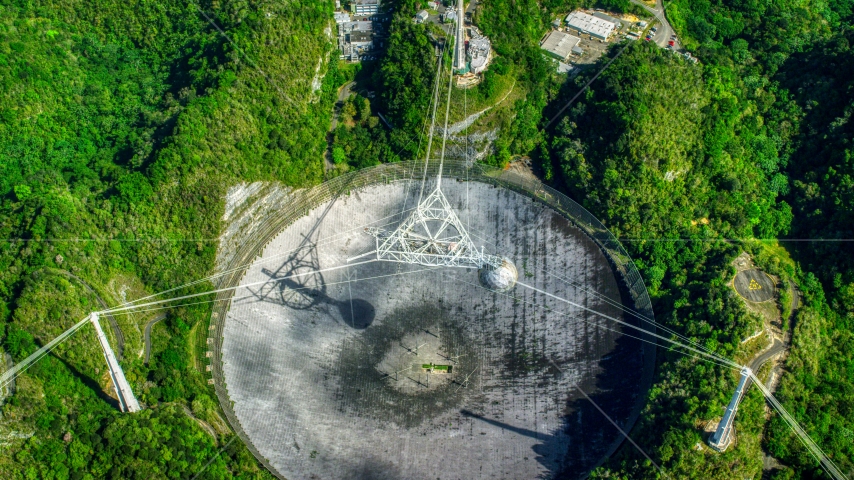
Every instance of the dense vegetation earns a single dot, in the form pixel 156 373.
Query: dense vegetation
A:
pixel 690 163
pixel 122 124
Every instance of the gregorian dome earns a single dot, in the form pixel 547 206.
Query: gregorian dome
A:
pixel 499 279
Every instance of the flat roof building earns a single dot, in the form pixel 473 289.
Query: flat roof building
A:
pixel 593 26
pixel 347 27
pixel 607 18
pixel 341 17
pixel 365 7
pixel 480 51
pixel 559 44
pixel 361 40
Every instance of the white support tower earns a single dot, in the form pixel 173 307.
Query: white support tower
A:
pixel 722 437
pixel 127 402
pixel 460 66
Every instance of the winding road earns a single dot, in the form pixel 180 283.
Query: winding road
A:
pixel 665 31
pixel 779 346
pixel 147 335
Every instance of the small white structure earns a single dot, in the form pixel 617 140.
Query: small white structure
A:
pixel 559 44
pixel 499 279
pixel 365 7
pixel 593 26
pixel 347 27
pixel 480 52
pixel 341 17
pixel 421 16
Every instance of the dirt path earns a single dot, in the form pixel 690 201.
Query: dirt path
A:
pixel 468 121
pixel 205 425
pixel 343 93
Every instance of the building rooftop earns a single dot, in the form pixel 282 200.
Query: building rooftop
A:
pixel 479 49
pixel 607 18
pixel 348 27
pixel 560 44
pixel 589 24
pixel 360 36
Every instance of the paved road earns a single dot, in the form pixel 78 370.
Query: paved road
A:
pixel 779 346
pixel 776 348
pixel 120 338
pixel 343 93
pixel 147 335
pixel 665 31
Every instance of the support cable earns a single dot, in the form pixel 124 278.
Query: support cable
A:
pixel 432 128
pixel 816 451
pixel 695 350
pixel 23 365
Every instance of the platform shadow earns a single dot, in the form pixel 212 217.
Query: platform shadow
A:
pixel 90 382
pixel 357 313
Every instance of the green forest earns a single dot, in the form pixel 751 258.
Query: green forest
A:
pixel 705 161
pixel 122 125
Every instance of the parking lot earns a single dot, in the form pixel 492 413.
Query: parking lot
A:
pixel 593 49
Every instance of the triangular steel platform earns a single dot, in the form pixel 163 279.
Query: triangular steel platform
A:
pixel 432 235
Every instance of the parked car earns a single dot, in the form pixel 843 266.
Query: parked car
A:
pixel 671 43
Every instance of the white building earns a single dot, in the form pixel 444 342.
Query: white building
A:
pixel 480 51
pixel 421 16
pixel 347 27
pixel 593 26
pixel 341 17
pixel 559 44
pixel 365 7
pixel 361 40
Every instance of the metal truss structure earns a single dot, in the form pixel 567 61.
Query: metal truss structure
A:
pixel 432 235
